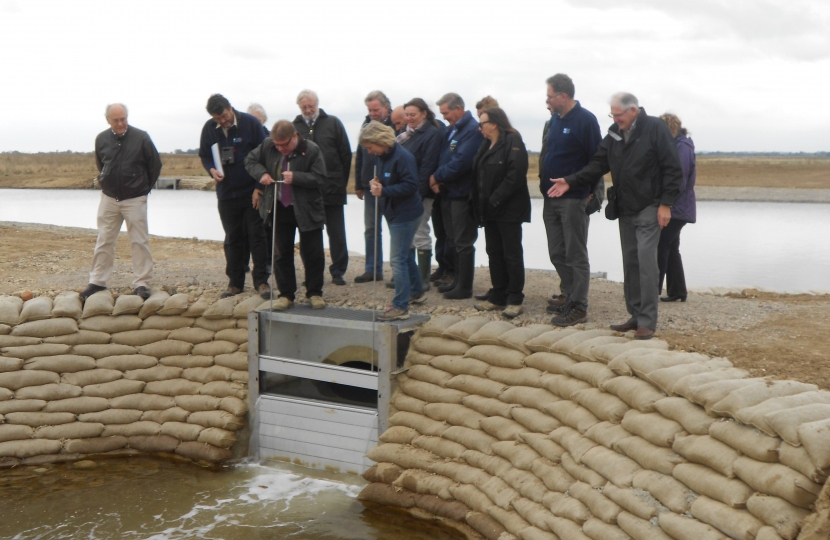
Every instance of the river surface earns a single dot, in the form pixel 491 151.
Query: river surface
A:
pixel 155 499
pixel 778 246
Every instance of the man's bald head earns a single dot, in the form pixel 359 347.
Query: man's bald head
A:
pixel 398 118
pixel 116 115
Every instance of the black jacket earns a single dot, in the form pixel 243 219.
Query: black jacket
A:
pixel 499 191
pixel 128 166
pixel 645 171
pixel 425 145
pixel 309 169
pixel 363 161
pixel 329 134
pixel 455 166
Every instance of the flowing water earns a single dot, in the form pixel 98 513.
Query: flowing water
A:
pixel 156 499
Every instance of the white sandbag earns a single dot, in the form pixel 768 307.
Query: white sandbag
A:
pixel 91 376
pixel 175 305
pixel 187 361
pixel 49 392
pixel 153 304
pixel 652 427
pixel 705 450
pixel 111 325
pixel 192 335
pixel 15 380
pixel 705 481
pixel 63 363
pixel 692 417
pixel 142 402
pixel 127 304
pixel 46 328
pixel 36 309
pixel 100 303
pixel 126 362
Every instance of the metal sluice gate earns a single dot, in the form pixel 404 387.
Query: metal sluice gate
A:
pixel 320 383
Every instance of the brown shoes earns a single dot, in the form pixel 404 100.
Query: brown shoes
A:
pixel 231 291
pixel 644 333
pixel 624 327
pixel 264 291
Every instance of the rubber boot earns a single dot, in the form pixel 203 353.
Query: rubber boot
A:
pixel 464 274
pixel 424 267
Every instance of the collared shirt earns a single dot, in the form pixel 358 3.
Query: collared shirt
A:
pixel 310 121
pixel 119 137
pixel 627 133
pixel 225 130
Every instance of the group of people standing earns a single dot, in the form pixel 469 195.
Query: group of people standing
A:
pixel 413 169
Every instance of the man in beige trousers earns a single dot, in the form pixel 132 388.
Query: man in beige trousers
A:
pixel 129 166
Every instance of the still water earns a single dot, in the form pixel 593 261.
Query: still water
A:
pixel 778 246
pixel 154 499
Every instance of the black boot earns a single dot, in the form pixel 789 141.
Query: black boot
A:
pixel 424 262
pixel 464 274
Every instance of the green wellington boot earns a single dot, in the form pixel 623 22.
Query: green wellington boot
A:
pixel 424 267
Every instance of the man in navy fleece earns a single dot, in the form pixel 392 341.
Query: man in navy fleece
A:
pixel 572 139
pixel 236 134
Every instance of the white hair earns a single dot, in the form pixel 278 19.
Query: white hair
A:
pixel 308 94
pixel 111 105
pixel 259 110
pixel 625 100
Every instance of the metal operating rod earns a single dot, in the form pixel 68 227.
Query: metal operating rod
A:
pixel 374 275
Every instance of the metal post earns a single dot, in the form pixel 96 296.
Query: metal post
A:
pixel 374 274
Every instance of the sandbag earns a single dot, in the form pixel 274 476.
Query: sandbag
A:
pixel 518 337
pixel 502 428
pixel 708 388
pixel 604 406
pixel 786 423
pixel 15 432
pixel 439 346
pixel 402 402
pixel 127 304
pixel 415 358
pixel 49 392
pixel 527 396
pixel 153 304
pixel 29 448
pixel 512 521
pixel 705 481
pixel 797 458
pixel 203 452
pixel 241 310
pixel 459 365
pixel 614 467
pixel 566 508
pixel 459 472
pixel 208 374
pixel 233 405
pixel 155 373
pixel 173 414
pixel 38 419
pixel 46 328
pixel 473 439
pixel 385 473
pixel 17 341
pixel 420 423
pixel 767 533
pixel 72 430
pixel 486 526
pixel 416 480
pixel 399 435
pixel 581 472
pixel 221 309
pixel 489 333
pixel 572 441
pixel 173 387
pixel 563 385
pixel 126 362
pixel 213 348
pixel 572 415
pixel 237 361
pixel 429 374
pixel 100 303
pixel 221 389
pixel 167 347
pixel 497 355
pixel 187 361
pixel 607 434
pixel 78 405
pixel 136 338
pixel 36 309
pixel 645 365
pixel 666 378
pixel 98 445
pixel 519 454
pixel 650 456
pixel 91 376
pixel 63 363
pixel 499 491
pixel 544 342
pixel 111 325
pixel 191 335
pixel 30 351
pixel 197 403
pixel 815 436
pixel 15 380
pixel 214 325
pixel 526 376
pixel 535 420
pixel 777 480
pixel 682 528
pixel 636 393
pixel 629 500
pixel 234 335
pixel 748 396
pixel 113 389
pixel 142 402
pixel 554 476
pixel 197 308
pixel 429 392
pixel 98 351
pixel 457 415
pixel 671 493
pixel 470 384
pixel 568 343
pixel 132 429
pixel 112 416
pixel 493 465
pixel 640 529
pixel 10 307
pixel 705 450
pixel 403 456
pixel 746 440
pixel 221 438
pixel 175 305
pixel 591 372
pixel 453 327
pixel 584 352
pixel 21 405
pixel 755 415
pixel 220 419
pixel 181 430
pixel 738 524
pixel 81 337
pixel 597 529
pixel 526 483
pixel 785 517
pixel 652 427
pixel 692 417
pixel 153 443
pixel 489 406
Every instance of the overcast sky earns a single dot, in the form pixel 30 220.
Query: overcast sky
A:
pixel 742 75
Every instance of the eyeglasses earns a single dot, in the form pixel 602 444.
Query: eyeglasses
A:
pixel 618 115
pixel 481 124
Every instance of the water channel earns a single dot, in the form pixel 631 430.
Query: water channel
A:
pixel 778 246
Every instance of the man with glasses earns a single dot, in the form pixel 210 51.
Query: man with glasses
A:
pixel 640 153
pixel 235 134
pixel 328 133
pixel 571 139
pixel 129 166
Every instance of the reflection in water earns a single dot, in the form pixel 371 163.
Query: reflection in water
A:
pixel 148 498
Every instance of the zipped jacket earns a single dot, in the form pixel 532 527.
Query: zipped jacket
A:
pixel 425 145
pixel 128 166
pixel 455 166
pixel 329 134
pixel 400 201
pixel 500 190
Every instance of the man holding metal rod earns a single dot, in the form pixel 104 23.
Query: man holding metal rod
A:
pixel 299 206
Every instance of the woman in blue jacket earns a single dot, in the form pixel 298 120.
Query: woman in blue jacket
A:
pixel 396 184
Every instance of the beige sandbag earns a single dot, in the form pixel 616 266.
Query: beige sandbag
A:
pixel 459 365
pixel 197 403
pixel 10 307
pixel 36 309
pixel 187 361
pixel 708 388
pixel 415 358
pixel 439 446
pixel 385 473
pixel 519 454
pixel 458 472
pixel 486 526
pixel 237 361
pixel 208 374
pixel 619 363
pixel 113 389
pixel 98 445
pixel 153 443
pixel 30 351
pixel 563 385
pixel 49 392
pixel 748 396
pixel 167 347
pixel 777 480
pixel 682 528
pixel 203 452
pixel 402 402
pixel 403 456
pixel 815 436
pixel 37 419
pixel 572 441
pixel 511 520
pixel 126 362
pixel 591 372
pixel 666 378
pixel 15 380
pixel 173 414
pixel 457 415
pixel 81 337
pixel 568 343
pixel 652 427
pixel 635 392
pixel 499 491
pixel 100 303
pixel 112 416
pixel 755 415
pixel 786 422
pixel 535 420
pixel 399 435
pixel 473 439
pixel 417 481
pixel 708 451
pixel 221 309
pixel 15 432
pixel 73 430
pixel 640 529
pixel 181 430
pixel 599 530
pixel 497 355
pixel 223 389
pixel 527 396
pixel 650 456
pixel 175 305
pixel 234 335
pixel 746 440
pixel 572 415
pixel 111 325
pixel 565 508
pixel 46 328
pixel 493 465
pixel 644 365
pixel 489 333
pixel 546 362
pixel 604 406
pixel 91 376
pixel 671 493
pixel 785 517
pixel 21 405
pixel 526 376
pixel 217 437
pixel 611 465
pixel 63 363
pixel 5 329
pixel 797 457
pixel 153 304
pixel 233 405
pixel 607 434
pixel 453 327
pixel 142 402
pixel 155 373
pixel 429 374
pixel 241 310
pixel 584 352
pixel 127 304
pixel 707 482
pixel 767 533
pixel 489 406
pixel 692 417
pixel 518 337
pixel 213 348
pixel 429 392
pixel 545 342
pixel 502 428
pixel 439 346
pixel 169 323
pixel 197 308
pixel 214 325
pixel 29 448
pixel 554 476
pixel 738 524
pixel 17 341
pixel 78 405
pixel 192 335
pixel 581 472
pixel 5 395
pixel 535 533
pixel 173 387
pixel 526 483
pixel 98 351
pixel 643 507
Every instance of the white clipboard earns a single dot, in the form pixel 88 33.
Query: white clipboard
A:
pixel 217 159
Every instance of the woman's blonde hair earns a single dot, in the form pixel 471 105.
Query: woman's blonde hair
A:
pixel 376 133
pixel 675 126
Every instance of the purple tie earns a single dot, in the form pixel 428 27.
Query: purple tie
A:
pixel 285 189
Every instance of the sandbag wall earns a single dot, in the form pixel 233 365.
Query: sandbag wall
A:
pixel 542 434
pixel 122 375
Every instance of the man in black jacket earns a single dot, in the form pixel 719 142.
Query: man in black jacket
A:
pixel 235 134
pixel 328 133
pixel 640 153
pixel 129 166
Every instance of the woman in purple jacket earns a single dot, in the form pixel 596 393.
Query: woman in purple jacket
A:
pixel 683 212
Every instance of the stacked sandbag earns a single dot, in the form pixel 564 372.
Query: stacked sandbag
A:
pixel 535 432
pixel 115 375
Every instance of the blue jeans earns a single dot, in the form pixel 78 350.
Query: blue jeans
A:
pixel 402 258
pixel 369 234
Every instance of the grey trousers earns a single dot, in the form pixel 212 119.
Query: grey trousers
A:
pixel 566 224
pixel 461 227
pixel 422 240
pixel 639 236
pixel 111 214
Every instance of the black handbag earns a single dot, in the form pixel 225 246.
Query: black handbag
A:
pixel 612 212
